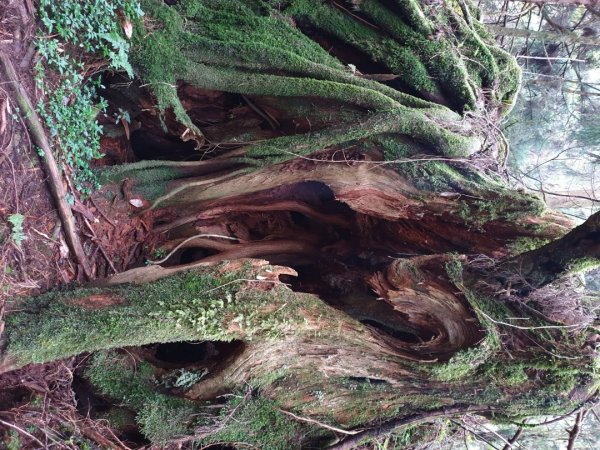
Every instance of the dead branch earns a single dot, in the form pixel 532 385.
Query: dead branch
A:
pixel 574 433
pixel 48 162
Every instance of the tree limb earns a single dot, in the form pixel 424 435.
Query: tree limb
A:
pixel 574 433
pixel 513 439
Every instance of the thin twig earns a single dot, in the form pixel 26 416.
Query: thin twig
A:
pixel 513 439
pixel 477 435
pixel 588 404
pixel 542 327
pixel 102 214
pixel 321 424
pixel 390 425
pixel 22 431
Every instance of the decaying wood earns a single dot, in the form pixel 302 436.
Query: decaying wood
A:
pixel 378 312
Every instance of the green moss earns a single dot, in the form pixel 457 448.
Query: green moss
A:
pixel 14 441
pixel 157 59
pixel 524 244
pixel 271 378
pixel 583 264
pixel 400 60
pixel 415 16
pixel 259 423
pixel 160 417
pixel 505 373
pixel 506 205
pixel 221 40
pixel 255 48
pixel 462 363
pixel 440 59
pixel 196 305
pixel 214 314
pixel 149 182
pixel 120 419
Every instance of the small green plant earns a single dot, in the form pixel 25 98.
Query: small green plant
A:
pixel 183 378
pixel 71 107
pixel 122 115
pixel 14 441
pixel 159 253
pixel 17 235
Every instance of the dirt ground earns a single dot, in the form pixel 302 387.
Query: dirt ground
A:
pixel 111 237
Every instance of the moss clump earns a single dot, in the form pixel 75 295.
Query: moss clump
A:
pixel 120 419
pixel 505 373
pixel 524 244
pixel 583 265
pixel 257 422
pixel 508 206
pixel 160 417
pixel 462 363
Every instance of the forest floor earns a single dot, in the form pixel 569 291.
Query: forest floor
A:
pixel 35 257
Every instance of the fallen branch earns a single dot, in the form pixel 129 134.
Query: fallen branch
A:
pixel 49 163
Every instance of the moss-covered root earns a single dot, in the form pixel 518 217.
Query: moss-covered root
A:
pixel 240 46
pixel 212 303
pixel 132 384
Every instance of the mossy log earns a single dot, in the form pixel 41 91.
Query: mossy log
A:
pixel 344 224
